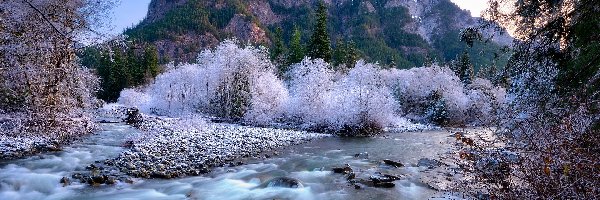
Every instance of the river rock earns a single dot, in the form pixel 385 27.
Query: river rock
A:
pixel 133 116
pixel 65 181
pixel 363 155
pixel 285 182
pixel 384 184
pixel 393 163
pixel 383 178
pixel 342 170
pixel 350 176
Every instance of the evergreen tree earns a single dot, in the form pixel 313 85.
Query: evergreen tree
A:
pixel 279 51
pixel 319 45
pixel 339 54
pixel 437 111
pixel 464 68
pixel 345 54
pixel 151 62
pixel 121 67
pixel 351 54
pixel 278 47
pixel 296 48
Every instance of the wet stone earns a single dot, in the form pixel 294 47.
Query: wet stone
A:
pixel 393 163
pixel 363 155
pixel 65 181
pixel 342 170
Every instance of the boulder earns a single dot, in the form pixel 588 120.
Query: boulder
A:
pixel 65 181
pixel 285 182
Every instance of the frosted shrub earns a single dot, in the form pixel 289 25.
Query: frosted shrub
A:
pixel 229 81
pixel 133 98
pixel 268 99
pixel 361 103
pixel 310 85
pixel 241 81
pixel 177 91
pixel 486 101
pixel 358 103
pixel 414 88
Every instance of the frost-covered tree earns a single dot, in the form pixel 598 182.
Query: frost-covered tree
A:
pixel 310 84
pixel 414 88
pixel 229 81
pixel 361 103
pixel 39 69
pixel 551 123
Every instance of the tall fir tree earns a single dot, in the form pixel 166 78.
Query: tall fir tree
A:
pixel 151 62
pixel 339 53
pixel 464 69
pixel 296 49
pixel 279 51
pixel 351 54
pixel 345 54
pixel 319 45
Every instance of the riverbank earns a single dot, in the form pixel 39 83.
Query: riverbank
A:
pixel 19 140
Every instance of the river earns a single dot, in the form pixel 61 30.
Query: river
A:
pixel 38 177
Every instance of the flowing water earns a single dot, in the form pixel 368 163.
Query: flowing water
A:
pixel 38 177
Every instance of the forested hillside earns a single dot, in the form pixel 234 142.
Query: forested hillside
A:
pixel 400 33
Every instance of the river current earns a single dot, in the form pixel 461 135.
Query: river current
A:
pixel 38 177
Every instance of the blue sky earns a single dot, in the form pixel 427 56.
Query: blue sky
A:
pixel 131 12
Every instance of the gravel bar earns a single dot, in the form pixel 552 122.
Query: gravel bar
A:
pixel 190 146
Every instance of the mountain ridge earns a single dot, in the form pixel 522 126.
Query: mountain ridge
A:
pixel 402 32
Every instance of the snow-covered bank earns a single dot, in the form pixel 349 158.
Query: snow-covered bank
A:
pixel 18 138
pixel 175 147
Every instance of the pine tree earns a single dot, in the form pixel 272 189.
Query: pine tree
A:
pixel 296 48
pixel 279 51
pixel 464 69
pixel 151 62
pixel 339 54
pixel 351 54
pixel 278 48
pixel 345 54
pixel 319 45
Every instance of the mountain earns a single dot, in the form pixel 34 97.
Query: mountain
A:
pixel 405 32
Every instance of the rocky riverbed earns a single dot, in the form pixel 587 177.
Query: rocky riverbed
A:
pixel 395 167
pixel 189 146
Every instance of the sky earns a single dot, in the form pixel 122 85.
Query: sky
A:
pixel 128 13
pixel 475 6
pixel 131 12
